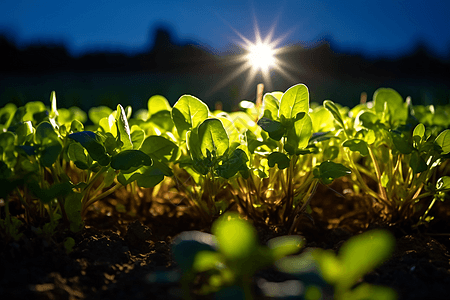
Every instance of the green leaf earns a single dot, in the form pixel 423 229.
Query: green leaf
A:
pixel 72 206
pixel 213 137
pixel 206 260
pixel 163 120
pixel 128 159
pixel 357 145
pixel 396 108
pixel 298 136
pixel 368 119
pixel 146 176
pixel 443 140
pixel 123 128
pixel 7 139
pixel 252 142
pixel 160 147
pixel 330 152
pixel 229 125
pixel 372 292
pixel 32 110
pixel 295 100
pixel 137 137
pixel 23 132
pixel 231 165
pixel 278 158
pixel 156 104
pixel 401 143
pixel 362 253
pixel 98 113
pixel 50 154
pixel 7 113
pixel 443 183
pixel 271 106
pixel 419 130
pixel 321 119
pixel 417 163
pixel 285 245
pixel 54 110
pixel 18 117
pixel 76 153
pixel 327 171
pixel 76 126
pixel 188 113
pixel 334 110
pixel 274 128
pixel 231 231
pixel 56 190
pixel 45 134
pixel 88 140
pixel 198 162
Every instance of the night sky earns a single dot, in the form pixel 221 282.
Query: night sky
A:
pixel 374 28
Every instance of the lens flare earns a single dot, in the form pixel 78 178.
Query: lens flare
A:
pixel 261 56
pixel 258 58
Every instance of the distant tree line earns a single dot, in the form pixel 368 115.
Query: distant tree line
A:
pixel 167 55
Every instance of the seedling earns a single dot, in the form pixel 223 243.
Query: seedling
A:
pixel 230 257
pixel 358 256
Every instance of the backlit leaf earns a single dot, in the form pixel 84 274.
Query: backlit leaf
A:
pixel 401 143
pixel 231 165
pixel 188 113
pixel 271 105
pixel 443 183
pixel 159 146
pixel 357 145
pixel 274 128
pixel 231 231
pixel 213 137
pixel 278 158
pixel 334 110
pixel 443 140
pixel 393 101
pixel 362 253
pixel 123 128
pixel 295 100
pixel 327 171
pixel 88 140
pixel 156 104
pixel 127 159
pixel 98 113
pixel 298 136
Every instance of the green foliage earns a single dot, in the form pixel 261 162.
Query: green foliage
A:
pixel 230 257
pixel 265 161
pixel 358 256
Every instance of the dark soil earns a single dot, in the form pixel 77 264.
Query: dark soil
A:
pixel 123 256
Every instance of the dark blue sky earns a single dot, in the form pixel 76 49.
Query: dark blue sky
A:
pixel 377 28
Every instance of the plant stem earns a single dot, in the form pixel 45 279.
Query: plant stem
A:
pixel 378 173
pixel 98 197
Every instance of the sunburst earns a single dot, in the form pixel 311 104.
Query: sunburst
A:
pixel 257 58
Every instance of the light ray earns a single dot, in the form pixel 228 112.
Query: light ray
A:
pixel 259 57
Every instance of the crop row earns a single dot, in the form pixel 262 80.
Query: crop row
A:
pixel 267 159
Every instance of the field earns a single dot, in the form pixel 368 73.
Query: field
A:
pixel 283 197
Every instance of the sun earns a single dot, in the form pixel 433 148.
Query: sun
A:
pixel 258 58
pixel 261 56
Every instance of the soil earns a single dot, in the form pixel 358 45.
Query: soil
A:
pixel 126 256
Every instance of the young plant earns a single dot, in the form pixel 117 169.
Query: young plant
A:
pixel 207 155
pixel 285 172
pixel 357 256
pixel 384 144
pixel 230 258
